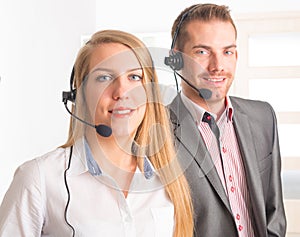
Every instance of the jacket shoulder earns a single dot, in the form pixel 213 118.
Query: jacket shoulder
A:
pixel 248 105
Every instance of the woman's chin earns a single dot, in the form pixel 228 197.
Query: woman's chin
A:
pixel 122 132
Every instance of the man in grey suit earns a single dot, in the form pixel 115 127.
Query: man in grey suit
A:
pixel 227 146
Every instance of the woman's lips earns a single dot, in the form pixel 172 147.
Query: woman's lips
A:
pixel 121 112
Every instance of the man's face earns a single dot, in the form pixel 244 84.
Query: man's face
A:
pixel 210 58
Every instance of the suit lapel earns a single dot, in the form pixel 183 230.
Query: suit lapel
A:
pixel 189 138
pixel 247 149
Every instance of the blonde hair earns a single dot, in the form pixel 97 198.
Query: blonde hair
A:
pixel 160 150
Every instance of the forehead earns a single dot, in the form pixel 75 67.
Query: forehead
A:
pixel 210 32
pixel 113 56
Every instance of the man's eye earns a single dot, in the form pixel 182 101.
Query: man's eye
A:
pixel 228 52
pixel 135 77
pixel 202 52
pixel 103 78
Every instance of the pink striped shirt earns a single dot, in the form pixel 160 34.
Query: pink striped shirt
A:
pixel 233 177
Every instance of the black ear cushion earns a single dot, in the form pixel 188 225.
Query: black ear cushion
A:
pixel 175 60
pixel 69 96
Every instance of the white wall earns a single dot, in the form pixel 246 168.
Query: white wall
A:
pixel 38 45
pixel 158 15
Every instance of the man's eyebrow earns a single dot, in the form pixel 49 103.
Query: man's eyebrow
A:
pixel 230 46
pixel 209 48
pixel 201 46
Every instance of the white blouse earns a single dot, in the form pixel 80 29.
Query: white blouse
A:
pixel 35 202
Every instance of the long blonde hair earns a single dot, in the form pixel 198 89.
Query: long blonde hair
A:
pixel 160 150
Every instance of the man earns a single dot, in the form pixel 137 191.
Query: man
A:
pixel 233 168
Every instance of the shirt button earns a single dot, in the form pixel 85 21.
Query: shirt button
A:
pixel 232 189
pixel 224 149
pixel 240 228
pixel 230 178
pixel 238 217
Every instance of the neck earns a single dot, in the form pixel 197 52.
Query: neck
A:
pixel 216 107
pixel 115 149
pixel 212 105
pixel 114 158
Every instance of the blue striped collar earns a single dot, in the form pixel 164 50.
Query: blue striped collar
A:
pixel 95 170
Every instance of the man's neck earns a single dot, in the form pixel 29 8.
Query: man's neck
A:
pixel 213 106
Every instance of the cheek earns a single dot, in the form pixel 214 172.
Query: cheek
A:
pixel 138 96
pixel 95 97
pixel 139 99
pixel 192 68
pixel 231 64
pixel 142 111
pixel 137 119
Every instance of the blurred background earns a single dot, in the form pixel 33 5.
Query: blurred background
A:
pixel 39 41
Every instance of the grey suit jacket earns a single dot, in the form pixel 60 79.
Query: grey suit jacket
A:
pixel 256 129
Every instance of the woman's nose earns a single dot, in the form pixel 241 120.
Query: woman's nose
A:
pixel 120 88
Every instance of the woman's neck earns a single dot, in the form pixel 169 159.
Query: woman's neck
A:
pixel 114 158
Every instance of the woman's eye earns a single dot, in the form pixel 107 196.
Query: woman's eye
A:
pixel 104 78
pixel 135 77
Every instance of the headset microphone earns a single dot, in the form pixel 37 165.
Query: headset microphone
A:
pixel 101 129
pixel 203 92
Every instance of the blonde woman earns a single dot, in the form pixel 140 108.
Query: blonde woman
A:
pixel 117 174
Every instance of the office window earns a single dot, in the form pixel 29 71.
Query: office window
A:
pixel 276 49
pixel 282 94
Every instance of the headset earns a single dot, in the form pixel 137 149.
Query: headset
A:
pixel 103 130
pixel 70 95
pixel 175 59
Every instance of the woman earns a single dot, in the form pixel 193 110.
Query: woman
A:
pixel 120 179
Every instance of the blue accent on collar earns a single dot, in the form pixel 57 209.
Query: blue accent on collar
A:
pixel 95 170
pixel 93 167
pixel 148 168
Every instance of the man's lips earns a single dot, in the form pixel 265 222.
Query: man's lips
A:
pixel 214 79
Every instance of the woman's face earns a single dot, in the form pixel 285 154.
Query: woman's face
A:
pixel 113 91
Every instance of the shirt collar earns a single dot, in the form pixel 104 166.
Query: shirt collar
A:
pixel 149 170
pixel 83 161
pixel 229 108
pixel 197 111
pixel 92 165
pixel 78 158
